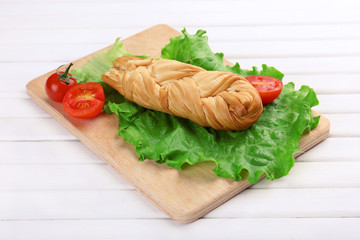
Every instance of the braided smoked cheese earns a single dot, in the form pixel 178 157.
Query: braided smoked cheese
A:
pixel 221 100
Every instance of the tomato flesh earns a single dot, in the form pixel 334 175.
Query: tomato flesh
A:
pixel 56 89
pixel 85 100
pixel 269 88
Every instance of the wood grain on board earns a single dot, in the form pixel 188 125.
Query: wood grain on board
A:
pixel 183 195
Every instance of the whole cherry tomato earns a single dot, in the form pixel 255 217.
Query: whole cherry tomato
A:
pixel 84 100
pixel 269 88
pixel 59 83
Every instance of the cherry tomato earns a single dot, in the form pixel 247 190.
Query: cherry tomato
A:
pixel 84 100
pixel 269 88
pixel 58 84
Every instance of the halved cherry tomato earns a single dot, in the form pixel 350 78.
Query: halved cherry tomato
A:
pixel 269 88
pixel 58 84
pixel 85 100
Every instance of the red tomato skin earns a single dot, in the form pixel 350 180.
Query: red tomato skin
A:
pixel 84 100
pixel 269 88
pixel 56 89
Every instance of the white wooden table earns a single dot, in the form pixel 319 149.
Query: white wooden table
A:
pixel 53 187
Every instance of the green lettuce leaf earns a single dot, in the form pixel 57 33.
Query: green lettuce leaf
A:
pixel 101 62
pixel 267 147
pixel 195 50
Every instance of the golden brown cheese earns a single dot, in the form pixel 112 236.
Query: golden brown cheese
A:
pixel 221 100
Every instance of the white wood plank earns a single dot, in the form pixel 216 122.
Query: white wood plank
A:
pixel 19 129
pixel 74 152
pixel 212 13
pixel 306 65
pixel 333 150
pixel 20 73
pixel 26 108
pixel 17 75
pixel 46 152
pixel 21 108
pixel 344 125
pixel 298 48
pixel 326 83
pixel 76 205
pixel 278 32
pixel 318 175
pixel 251 203
pixel 112 8
pixel 48 52
pixel 340 103
pixel 247 228
pixel 323 83
pixel 124 212
pixel 159 1
pixel 85 35
pixel 215 34
pixel 232 50
pixel 325 75
pixel 32 129
pixel 32 177
pixel 60 177
pixel 316 202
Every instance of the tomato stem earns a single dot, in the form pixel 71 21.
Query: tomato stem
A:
pixel 64 77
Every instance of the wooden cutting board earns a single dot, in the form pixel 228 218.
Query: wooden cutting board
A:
pixel 183 195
